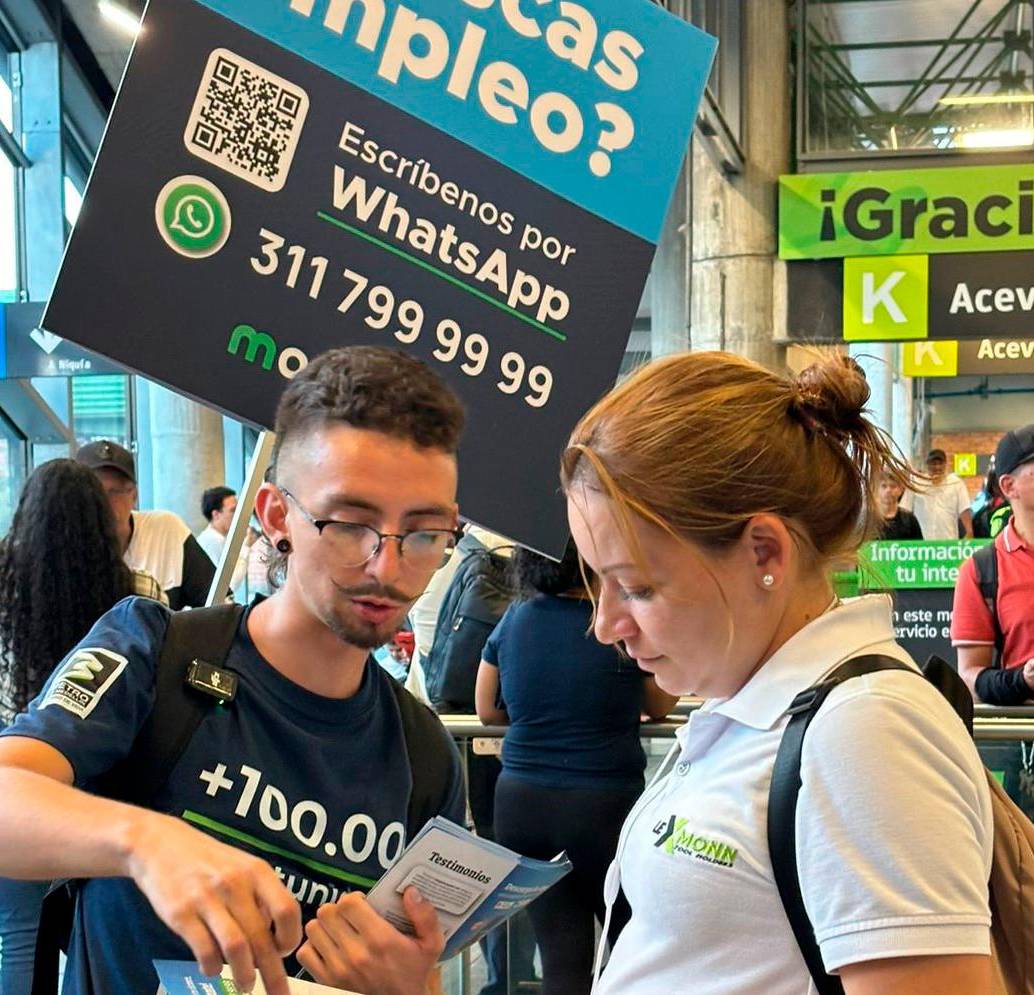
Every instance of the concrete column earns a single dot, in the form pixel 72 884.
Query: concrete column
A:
pixel 877 359
pixel 670 277
pixel 734 291
pixel 186 445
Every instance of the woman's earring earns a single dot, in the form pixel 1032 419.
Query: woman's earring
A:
pixel 768 580
pixel 283 546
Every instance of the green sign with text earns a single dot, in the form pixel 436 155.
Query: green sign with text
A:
pixel 927 564
pixel 879 213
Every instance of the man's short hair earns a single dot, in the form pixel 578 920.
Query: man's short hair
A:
pixel 370 387
pixel 936 456
pixel 212 500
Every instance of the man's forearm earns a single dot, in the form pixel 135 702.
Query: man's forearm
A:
pixel 50 830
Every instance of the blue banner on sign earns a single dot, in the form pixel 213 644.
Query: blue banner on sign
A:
pixel 594 102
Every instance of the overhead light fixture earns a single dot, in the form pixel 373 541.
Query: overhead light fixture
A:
pixel 991 138
pixel 980 100
pixel 118 16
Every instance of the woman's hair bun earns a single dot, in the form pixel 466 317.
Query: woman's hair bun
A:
pixel 830 396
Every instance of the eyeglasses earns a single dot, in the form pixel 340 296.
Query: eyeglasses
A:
pixel 354 544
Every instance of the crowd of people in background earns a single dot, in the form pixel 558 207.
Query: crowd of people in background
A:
pixel 542 648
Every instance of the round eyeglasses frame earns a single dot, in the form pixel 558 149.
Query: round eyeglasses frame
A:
pixel 322 523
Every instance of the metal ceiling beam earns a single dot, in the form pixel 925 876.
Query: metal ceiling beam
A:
pixel 868 46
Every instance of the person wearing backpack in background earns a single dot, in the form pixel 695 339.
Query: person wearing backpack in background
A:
pixel 302 748
pixel 479 591
pixel 725 592
pixel 993 617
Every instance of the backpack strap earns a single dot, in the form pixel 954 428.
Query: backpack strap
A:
pixel 985 562
pixel 204 634
pixel 782 809
pixel 431 754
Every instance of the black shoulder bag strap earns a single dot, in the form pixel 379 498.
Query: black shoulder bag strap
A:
pixel 782 809
pixel 985 561
pixel 429 759
pixel 202 634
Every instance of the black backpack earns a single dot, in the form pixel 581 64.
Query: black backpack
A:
pixel 480 592
pixel 985 563
pixel 207 635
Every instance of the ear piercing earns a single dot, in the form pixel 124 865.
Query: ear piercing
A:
pixel 283 546
pixel 768 580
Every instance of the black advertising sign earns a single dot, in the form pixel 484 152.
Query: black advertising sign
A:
pixel 922 623
pixel 279 178
pixel 27 350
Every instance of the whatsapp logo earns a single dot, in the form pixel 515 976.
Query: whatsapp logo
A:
pixel 193 217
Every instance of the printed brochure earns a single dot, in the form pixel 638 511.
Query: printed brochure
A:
pixel 473 883
pixel 182 977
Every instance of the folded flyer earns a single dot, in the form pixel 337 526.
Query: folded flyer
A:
pixel 473 883
pixel 182 977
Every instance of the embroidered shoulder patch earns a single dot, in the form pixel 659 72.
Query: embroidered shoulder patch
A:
pixel 83 680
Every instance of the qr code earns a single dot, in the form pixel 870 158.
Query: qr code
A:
pixel 246 120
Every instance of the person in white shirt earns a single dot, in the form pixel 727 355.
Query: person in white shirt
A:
pixel 724 591
pixel 942 503
pixel 218 505
pixel 156 542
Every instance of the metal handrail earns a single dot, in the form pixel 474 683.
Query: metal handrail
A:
pixel 1005 724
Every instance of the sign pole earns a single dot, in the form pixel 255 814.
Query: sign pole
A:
pixel 260 460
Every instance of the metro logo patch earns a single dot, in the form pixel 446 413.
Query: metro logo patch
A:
pixel 83 680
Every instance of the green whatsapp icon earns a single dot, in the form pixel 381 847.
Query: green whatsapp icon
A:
pixel 193 217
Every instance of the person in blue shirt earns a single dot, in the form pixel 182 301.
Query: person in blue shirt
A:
pixel 290 801
pixel 572 758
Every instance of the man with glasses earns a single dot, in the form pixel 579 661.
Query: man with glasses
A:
pixel 290 799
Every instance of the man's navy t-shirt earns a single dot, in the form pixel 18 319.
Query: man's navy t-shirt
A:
pixel 574 704
pixel 318 787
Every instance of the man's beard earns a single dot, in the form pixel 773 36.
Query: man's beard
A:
pixel 362 634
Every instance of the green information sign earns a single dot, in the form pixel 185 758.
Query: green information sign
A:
pixel 879 213
pixel 920 565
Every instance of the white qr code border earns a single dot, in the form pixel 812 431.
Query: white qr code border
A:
pixel 196 123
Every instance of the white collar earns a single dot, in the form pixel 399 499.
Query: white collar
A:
pixel 850 629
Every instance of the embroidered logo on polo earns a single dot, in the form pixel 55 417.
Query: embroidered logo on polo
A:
pixel 675 838
pixel 84 679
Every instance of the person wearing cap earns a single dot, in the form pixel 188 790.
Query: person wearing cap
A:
pixel 941 504
pixel 157 542
pixel 1010 680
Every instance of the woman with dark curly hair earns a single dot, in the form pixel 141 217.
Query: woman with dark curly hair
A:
pixel 61 568
pixel 572 758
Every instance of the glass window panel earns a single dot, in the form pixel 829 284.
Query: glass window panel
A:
pixel 12 471
pixel 8 231
pixel 73 200
pixel 100 409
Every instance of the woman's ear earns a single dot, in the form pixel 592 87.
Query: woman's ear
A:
pixel 769 548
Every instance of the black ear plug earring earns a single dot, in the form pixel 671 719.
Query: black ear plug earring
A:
pixel 283 546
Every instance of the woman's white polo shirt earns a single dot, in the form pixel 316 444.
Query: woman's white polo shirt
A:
pixel 894 829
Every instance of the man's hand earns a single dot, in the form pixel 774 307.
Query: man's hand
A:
pixel 350 946
pixel 227 906
pixel 1028 674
